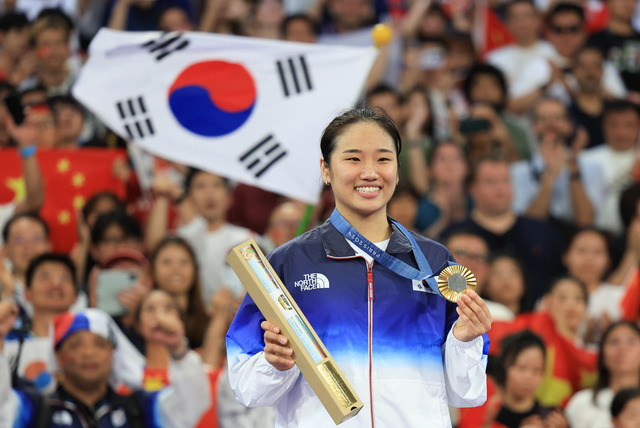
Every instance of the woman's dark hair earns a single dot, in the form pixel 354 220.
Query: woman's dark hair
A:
pixel 311 23
pixel 621 399
pixel 604 376
pixel 93 201
pixel 181 314
pixel 422 91
pixel 485 70
pixel 629 203
pixel 196 319
pixel 440 144
pixel 512 346
pixel 13 21
pixel 583 288
pixel 340 124
pixel 129 225
pixel 608 241
pixel 605 236
pixel 524 301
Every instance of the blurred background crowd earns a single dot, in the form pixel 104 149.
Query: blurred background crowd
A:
pixel 520 122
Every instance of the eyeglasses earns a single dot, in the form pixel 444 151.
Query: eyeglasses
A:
pixel 567 29
pixel 21 240
pixel 475 257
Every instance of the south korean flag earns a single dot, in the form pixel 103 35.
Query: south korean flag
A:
pixel 249 109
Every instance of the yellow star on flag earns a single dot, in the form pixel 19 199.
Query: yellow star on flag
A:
pixel 153 383
pixel 18 187
pixel 77 180
pixel 78 202
pixel 63 165
pixel 64 217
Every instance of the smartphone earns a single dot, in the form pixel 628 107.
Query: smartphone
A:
pixel 110 283
pixel 15 107
pixel 472 125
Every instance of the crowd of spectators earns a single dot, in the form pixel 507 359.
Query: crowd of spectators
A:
pixel 520 122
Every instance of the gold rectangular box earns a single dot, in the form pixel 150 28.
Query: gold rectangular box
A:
pixel 311 356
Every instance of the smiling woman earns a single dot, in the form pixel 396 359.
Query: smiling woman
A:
pixel 390 347
pixel 362 169
pixel 175 270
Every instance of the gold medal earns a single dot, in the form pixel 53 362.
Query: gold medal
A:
pixel 454 280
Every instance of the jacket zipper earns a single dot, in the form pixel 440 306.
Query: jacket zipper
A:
pixel 370 302
pixel 370 329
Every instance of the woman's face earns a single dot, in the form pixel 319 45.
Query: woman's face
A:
pixel 621 351
pixel 362 171
pixel 448 164
pixel 174 270
pixel 156 305
pixel 587 258
pixel 629 417
pixel 505 284
pixel 486 89
pixel 567 305
pixel 526 373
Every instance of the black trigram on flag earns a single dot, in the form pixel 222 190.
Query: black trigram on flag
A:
pixel 166 44
pixel 135 116
pixel 294 75
pixel 262 156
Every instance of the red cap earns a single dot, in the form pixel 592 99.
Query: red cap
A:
pixel 126 254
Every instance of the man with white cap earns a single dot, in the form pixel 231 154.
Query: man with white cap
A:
pixel 85 343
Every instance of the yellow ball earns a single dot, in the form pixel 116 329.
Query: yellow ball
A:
pixel 381 34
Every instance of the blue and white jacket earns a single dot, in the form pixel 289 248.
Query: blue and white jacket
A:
pixel 390 336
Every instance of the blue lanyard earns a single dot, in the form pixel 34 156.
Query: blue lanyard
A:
pixel 393 264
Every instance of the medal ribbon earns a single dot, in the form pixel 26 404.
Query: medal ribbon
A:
pixel 423 273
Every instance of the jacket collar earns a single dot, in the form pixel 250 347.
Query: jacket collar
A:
pixel 336 245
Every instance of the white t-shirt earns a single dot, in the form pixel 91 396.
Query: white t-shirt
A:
pixel 616 167
pixel 382 245
pixel 212 248
pixel 606 300
pixel 526 69
pixel 582 412
pixel 499 312
pixel 36 360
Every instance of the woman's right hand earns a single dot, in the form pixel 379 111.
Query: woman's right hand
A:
pixel 276 347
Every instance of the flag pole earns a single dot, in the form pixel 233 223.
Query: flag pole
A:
pixel 305 220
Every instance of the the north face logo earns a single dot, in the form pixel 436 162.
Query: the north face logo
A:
pixel 312 281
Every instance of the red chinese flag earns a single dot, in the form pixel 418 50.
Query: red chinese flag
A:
pixel 496 33
pixel 568 367
pixel 630 303
pixel 70 178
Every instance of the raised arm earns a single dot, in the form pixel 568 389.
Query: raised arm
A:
pixel 183 403
pixel 25 136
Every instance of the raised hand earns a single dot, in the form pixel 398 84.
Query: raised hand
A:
pixel 474 317
pixel 8 316
pixel 170 332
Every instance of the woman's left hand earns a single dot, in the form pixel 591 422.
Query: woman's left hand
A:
pixel 474 317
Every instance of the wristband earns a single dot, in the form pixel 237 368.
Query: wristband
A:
pixel 27 152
